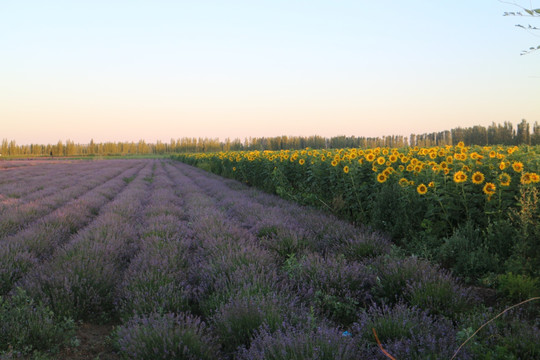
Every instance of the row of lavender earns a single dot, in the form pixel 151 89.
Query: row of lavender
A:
pixel 60 268
pixel 82 277
pixel 30 193
pixel 198 267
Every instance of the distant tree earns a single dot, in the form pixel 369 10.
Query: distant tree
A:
pixel 523 134
pixel 535 136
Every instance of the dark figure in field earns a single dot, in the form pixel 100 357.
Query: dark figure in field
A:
pixel 51 153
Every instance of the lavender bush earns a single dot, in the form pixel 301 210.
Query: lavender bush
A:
pixel 156 280
pixel 406 333
pixel 167 336
pixel 335 286
pixel 236 321
pixel 302 343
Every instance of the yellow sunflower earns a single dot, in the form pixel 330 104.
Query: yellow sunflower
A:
pixel 534 177
pixel 517 166
pixel 301 161
pixel 460 177
pixel 346 169
pixel 334 162
pixel 489 189
pixel 525 178
pixel 381 160
pixel 403 182
pixel 477 178
pixel 381 178
pixel 504 179
pixel 421 189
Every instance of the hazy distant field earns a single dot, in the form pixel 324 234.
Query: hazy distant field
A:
pixel 184 264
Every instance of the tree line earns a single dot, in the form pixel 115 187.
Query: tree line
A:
pixel 494 134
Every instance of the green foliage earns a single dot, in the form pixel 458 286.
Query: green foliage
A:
pixel 236 322
pixel 518 287
pixel 129 179
pixel 509 337
pixel 467 254
pixel 283 243
pixel 439 297
pixel 526 252
pixel 27 326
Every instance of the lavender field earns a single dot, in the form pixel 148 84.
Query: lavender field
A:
pixel 182 264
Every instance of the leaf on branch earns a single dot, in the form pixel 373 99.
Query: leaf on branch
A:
pixel 531 49
pixel 530 12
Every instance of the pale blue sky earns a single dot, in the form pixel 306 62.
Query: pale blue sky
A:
pixel 129 70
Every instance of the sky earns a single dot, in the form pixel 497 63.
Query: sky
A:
pixel 155 70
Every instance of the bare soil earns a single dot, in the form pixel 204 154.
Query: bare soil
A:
pixel 93 344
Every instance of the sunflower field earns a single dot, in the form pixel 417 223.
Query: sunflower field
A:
pixel 473 209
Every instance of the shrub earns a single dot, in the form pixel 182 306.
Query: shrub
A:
pixel 365 244
pixel 405 332
pixel 249 280
pixel 518 287
pixel 27 326
pixel 419 283
pixel 439 293
pixel 299 343
pixel 236 321
pixel 332 284
pixel 79 283
pixel 525 256
pixel 393 274
pixel 156 280
pixel 396 211
pixel 15 262
pixel 514 335
pixel 467 253
pixel 283 242
pixel 166 336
